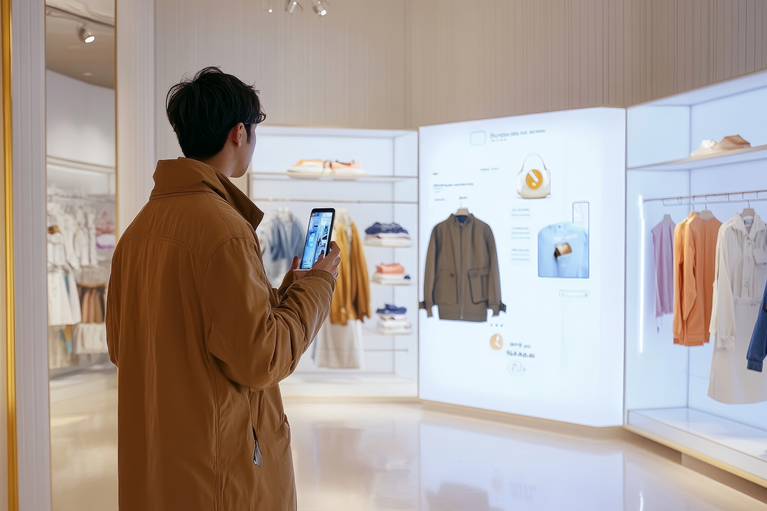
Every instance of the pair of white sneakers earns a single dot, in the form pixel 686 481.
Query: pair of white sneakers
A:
pixel 726 144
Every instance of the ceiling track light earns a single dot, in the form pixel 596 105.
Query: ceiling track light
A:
pixel 85 35
pixel 292 5
pixel 320 7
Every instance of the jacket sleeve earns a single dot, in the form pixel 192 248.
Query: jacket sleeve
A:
pixel 429 275
pixel 494 282
pixel 690 289
pixel 112 318
pixel 757 350
pixel 723 305
pixel 257 344
pixel 678 323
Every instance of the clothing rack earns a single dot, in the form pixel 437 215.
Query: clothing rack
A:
pixel 719 198
pixel 404 350
pixel 320 201
pixel 79 197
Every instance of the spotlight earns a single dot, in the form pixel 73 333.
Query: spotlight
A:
pixel 85 35
pixel 320 7
pixel 292 5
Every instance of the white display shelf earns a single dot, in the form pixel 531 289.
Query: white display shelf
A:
pixel 307 176
pixel 333 384
pixel 710 160
pixel 382 245
pixel 397 333
pixel 407 283
pixel 696 433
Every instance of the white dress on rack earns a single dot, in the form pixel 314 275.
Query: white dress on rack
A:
pixel 741 276
pixel 63 298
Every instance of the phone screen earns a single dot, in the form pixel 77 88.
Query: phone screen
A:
pixel 317 237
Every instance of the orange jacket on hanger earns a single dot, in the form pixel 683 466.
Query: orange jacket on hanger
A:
pixel 694 273
pixel 351 300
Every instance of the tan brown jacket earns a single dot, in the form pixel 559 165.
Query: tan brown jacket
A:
pixel 461 275
pixel 201 341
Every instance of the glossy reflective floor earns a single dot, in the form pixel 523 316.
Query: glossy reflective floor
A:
pixel 388 456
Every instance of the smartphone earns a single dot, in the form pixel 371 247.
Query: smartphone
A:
pixel 318 236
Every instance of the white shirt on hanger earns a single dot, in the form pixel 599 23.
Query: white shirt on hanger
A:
pixel 741 276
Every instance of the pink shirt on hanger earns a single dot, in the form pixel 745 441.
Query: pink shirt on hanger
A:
pixel 663 256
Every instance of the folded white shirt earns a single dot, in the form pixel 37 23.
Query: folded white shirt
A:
pixel 393 324
pixel 390 317
pixel 387 242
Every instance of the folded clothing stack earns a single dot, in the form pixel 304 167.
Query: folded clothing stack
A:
pixel 391 275
pixel 387 235
pixel 392 320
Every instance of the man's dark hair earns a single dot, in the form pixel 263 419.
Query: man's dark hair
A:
pixel 204 109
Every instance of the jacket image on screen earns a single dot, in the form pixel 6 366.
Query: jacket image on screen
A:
pixel 461 275
pixel 563 251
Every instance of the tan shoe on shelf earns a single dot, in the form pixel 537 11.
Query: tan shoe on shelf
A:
pixel 732 142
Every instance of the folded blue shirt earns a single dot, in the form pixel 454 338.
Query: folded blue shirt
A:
pixel 392 228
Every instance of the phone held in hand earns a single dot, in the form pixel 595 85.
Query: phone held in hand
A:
pixel 318 236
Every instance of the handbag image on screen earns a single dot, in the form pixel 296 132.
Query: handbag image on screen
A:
pixel 535 183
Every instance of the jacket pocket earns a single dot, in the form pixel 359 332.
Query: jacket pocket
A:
pixel 445 288
pixel 258 457
pixel 478 281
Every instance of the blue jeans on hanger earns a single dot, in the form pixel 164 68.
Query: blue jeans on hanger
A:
pixel 758 347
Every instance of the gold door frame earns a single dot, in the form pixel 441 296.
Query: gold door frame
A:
pixel 10 310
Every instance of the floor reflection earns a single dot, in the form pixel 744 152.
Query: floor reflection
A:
pixel 389 456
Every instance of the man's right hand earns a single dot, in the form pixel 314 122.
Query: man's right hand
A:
pixel 330 263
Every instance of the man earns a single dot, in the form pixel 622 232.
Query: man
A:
pixel 200 338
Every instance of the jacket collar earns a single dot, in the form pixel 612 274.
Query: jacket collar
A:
pixel 757 226
pixel 454 220
pixel 186 175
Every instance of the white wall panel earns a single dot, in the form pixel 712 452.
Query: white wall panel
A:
pixel 28 103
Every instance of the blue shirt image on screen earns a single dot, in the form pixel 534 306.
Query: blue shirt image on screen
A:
pixel 316 238
pixel 574 265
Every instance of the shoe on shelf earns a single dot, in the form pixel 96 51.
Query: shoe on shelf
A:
pixel 705 147
pixel 391 309
pixel 340 168
pixel 309 166
pixel 732 142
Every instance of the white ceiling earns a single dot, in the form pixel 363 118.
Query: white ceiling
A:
pixel 65 53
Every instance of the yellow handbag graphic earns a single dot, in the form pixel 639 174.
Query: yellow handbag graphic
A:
pixel 535 183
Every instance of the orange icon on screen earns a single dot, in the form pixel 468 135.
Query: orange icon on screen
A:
pixel 496 342
pixel 534 179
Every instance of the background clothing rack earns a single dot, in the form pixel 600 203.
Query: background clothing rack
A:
pixel 718 198
pixel 79 197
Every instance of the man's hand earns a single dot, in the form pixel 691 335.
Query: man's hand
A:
pixel 330 263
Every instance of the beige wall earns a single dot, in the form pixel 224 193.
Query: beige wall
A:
pixel 406 63
pixel 347 69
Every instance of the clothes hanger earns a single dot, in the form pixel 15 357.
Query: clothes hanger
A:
pixel 748 211
pixel 706 214
pixel 462 211
pixel 667 218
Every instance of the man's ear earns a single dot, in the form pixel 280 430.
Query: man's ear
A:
pixel 237 134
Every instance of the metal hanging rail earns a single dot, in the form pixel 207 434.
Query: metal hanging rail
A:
pixel 79 197
pixel 718 198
